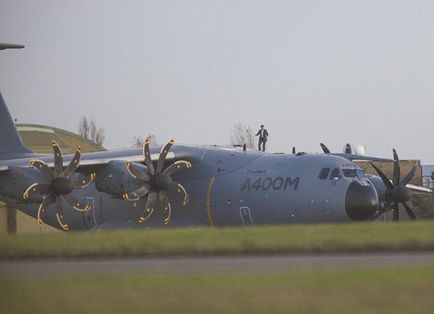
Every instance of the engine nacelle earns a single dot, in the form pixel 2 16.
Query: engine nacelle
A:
pixel 380 187
pixel 115 179
pixel 15 181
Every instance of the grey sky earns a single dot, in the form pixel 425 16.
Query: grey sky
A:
pixel 311 71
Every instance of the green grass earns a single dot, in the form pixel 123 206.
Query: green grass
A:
pixel 379 290
pixel 320 238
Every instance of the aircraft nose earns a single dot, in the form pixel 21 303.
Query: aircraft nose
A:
pixel 361 202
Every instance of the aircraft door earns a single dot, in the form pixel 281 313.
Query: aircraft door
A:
pixel 90 217
pixel 246 217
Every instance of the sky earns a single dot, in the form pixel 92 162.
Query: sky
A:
pixel 359 71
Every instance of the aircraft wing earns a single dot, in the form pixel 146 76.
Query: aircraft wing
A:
pixel 418 188
pixel 354 157
pixel 87 160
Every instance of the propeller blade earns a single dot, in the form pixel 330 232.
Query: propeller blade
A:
pixel 148 212
pixel 409 211
pixel 74 203
pixel 43 207
pixel 324 148
pixel 58 160
pixel 396 168
pixel 73 165
pixel 293 150
pixel 147 155
pixel 383 177
pixel 163 153
pixel 165 204
pixel 83 182
pixel 149 209
pixel 176 166
pixel 59 214
pixel 409 176
pixel 42 187
pixel 395 211
pixel 43 168
pixel 180 189
pixel 137 194
pixel 348 149
pixel 137 173
pixel 375 215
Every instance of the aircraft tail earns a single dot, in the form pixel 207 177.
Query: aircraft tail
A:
pixel 11 145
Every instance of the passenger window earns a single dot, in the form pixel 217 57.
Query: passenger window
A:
pixel 324 173
pixel 335 175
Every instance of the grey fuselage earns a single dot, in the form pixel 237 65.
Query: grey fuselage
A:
pixel 226 187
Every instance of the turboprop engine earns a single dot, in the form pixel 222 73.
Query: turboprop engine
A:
pixel 15 181
pixel 115 179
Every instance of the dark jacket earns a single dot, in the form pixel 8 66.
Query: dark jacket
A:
pixel 264 134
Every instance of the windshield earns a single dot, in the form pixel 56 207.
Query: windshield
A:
pixel 353 173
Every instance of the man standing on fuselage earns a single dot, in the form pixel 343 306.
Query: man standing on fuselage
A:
pixel 263 136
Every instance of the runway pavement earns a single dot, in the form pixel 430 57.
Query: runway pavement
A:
pixel 212 263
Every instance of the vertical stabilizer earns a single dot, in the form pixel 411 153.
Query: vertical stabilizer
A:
pixel 10 142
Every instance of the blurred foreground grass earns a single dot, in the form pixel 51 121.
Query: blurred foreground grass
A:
pixel 358 290
pixel 319 238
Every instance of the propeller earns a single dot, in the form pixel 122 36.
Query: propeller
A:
pixel 396 191
pixel 324 148
pixel 156 182
pixel 58 183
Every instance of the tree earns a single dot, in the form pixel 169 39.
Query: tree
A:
pixel 83 127
pixel 138 140
pixel 241 135
pixel 89 130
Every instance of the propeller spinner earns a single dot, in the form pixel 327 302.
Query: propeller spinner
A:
pixel 58 183
pixel 156 182
pixel 396 191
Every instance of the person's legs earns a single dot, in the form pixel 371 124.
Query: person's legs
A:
pixel 263 145
pixel 259 144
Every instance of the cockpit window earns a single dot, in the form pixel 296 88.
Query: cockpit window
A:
pixel 360 173
pixel 353 173
pixel 335 174
pixel 349 173
pixel 324 173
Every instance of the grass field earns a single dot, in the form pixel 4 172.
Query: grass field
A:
pixel 379 290
pixel 323 290
pixel 321 238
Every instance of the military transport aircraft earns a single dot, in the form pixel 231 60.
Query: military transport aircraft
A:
pixel 189 186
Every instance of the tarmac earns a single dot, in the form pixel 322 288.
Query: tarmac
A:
pixel 202 264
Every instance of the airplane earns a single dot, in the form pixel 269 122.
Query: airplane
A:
pixel 204 185
pixel 189 186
